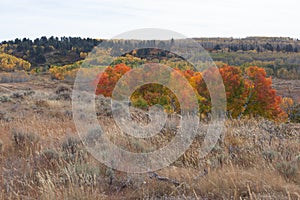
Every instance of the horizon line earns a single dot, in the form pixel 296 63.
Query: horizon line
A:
pixel 194 37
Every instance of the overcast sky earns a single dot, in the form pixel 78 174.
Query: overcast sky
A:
pixel 107 18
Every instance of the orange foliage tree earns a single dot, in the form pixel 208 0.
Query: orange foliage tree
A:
pixel 261 97
pixel 248 92
pixel 235 89
pixel 109 78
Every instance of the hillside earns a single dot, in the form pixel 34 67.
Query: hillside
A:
pixel 44 156
pixel 279 56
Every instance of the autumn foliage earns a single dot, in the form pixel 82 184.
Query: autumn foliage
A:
pixel 62 72
pixel 109 78
pixel 262 97
pixel 9 63
pixel 248 92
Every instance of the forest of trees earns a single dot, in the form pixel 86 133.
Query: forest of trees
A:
pixel 259 44
pixel 249 91
pixel 278 56
pixel 46 51
pixel 61 58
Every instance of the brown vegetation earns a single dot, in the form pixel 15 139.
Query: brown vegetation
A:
pixel 41 156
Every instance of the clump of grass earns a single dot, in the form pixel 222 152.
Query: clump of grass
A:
pixel 49 159
pixel 269 155
pixel 18 95
pixel 42 103
pixel 111 175
pixel 287 169
pixel 4 117
pixel 87 174
pixel 25 143
pixel 51 154
pixel 298 159
pixel 1 146
pixel 73 150
pixel 62 88
pixel 71 145
pixel 63 92
pixel 4 99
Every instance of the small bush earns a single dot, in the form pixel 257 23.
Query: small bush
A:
pixel 17 95
pixel 64 96
pixel 73 150
pixel 298 159
pixel 1 146
pixel 269 155
pixel 71 145
pixel 4 99
pixel 87 174
pixel 51 154
pixel 287 169
pixel 49 159
pixel 42 103
pixel 62 89
pixel 4 117
pixel 140 103
pixel 25 143
pixel 63 92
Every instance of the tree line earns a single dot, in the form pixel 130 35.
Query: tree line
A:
pixel 277 55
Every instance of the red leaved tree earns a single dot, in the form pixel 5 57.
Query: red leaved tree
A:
pixel 109 78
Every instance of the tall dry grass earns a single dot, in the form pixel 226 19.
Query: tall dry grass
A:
pixel 42 158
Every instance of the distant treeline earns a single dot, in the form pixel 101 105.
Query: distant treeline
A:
pixel 258 44
pixel 278 55
pixel 46 51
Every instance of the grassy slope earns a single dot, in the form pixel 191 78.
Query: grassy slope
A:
pixel 42 157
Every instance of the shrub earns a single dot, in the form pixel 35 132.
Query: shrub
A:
pixel 287 169
pixel 140 103
pixel 42 103
pixel 63 92
pixel 10 63
pixel 298 159
pixel 51 154
pixel 73 150
pixel 49 159
pixel 25 143
pixel 18 95
pixel 1 146
pixel 62 89
pixel 269 155
pixel 4 99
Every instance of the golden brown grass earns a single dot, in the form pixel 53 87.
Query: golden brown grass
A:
pixel 41 157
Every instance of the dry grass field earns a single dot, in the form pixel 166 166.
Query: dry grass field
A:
pixel 42 157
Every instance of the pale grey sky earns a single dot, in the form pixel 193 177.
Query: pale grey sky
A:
pixel 107 18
